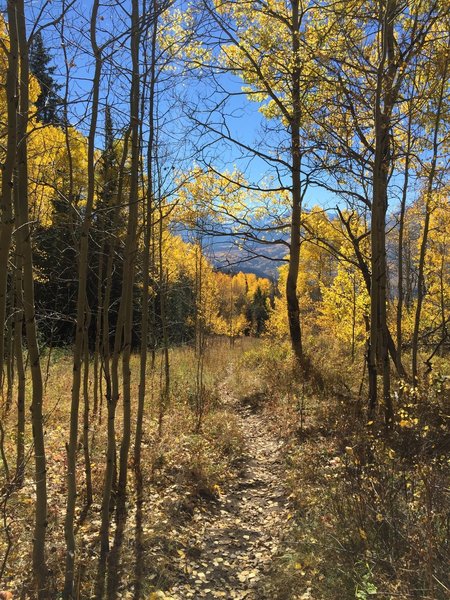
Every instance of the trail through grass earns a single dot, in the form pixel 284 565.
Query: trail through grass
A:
pixel 233 540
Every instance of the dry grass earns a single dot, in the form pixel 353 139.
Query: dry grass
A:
pixel 370 510
pixel 180 467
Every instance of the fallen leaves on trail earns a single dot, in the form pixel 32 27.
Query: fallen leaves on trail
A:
pixel 226 549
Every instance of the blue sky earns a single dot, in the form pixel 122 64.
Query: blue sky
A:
pixel 177 95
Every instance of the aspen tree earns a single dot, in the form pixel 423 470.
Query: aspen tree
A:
pixel 163 282
pixel 110 382
pixel 104 224
pixel 199 335
pixel 20 367
pixel 86 414
pixel 401 235
pixel 123 333
pixel 148 239
pixel 23 235
pixel 385 97
pixel 277 74
pixel 81 320
pixel 126 301
pixel 443 72
pixel 8 164
pixel 388 38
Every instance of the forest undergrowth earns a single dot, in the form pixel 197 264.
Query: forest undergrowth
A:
pixel 369 509
pixel 182 465
pixel 283 491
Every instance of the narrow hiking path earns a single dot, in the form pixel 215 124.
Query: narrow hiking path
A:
pixel 237 539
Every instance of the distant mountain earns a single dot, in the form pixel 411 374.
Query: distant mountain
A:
pixel 232 253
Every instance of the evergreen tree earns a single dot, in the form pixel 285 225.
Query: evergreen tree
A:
pixel 48 102
pixel 257 312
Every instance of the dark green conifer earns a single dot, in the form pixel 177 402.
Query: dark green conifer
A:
pixel 48 102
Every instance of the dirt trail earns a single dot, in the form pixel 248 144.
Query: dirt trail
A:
pixel 236 542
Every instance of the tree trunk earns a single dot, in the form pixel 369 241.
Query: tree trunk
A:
pixel 83 268
pixel 86 412
pixel 384 102
pixel 400 266
pixel 148 234
pixel 110 380
pixel 18 348
pixel 365 271
pixel 294 248
pixel 426 226
pixel 9 347
pixel 163 286
pixel 25 251
pixel 7 166
pixel 130 250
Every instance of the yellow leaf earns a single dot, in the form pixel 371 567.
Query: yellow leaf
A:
pixel 217 489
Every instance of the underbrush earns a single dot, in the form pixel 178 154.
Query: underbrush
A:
pixel 200 463
pixel 184 467
pixel 370 509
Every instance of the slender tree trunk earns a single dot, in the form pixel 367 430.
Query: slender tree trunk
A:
pixel 294 248
pixel 9 347
pixel 442 290
pixel 86 412
pixel 426 226
pixel 111 382
pixel 400 280
pixel 199 337
pixel 7 171
pixel 163 286
pixel 148 234
pixel 231 311
pixel 83 268
pixel 130 249
pixel 384 102
pixel 353 317
pixel 365 271
pixel 107 218
pixel 18 348
pixel 25 251
pixel 98 319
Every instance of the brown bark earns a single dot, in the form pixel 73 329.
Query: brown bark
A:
pixel 18 350
pixel 25 251
pixel 6 202
pixel 378 360
pixel 296 157
pixel 426 225
pixel 81 321
pixel 401 232
pixel 126 303
pixel 148 235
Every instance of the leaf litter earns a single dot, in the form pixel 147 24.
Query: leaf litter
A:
pixel 227 547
